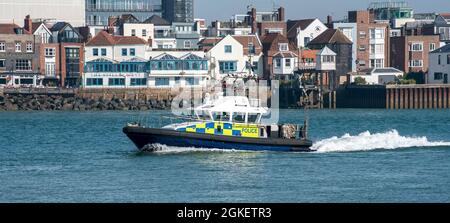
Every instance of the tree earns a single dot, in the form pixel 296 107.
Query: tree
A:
pixel 360 81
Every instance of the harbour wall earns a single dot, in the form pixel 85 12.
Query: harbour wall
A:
pixel 394 97
pixel 88 100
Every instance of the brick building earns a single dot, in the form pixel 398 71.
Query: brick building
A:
pixel 372 41
pixel 410 53
pixel 19 56
pixel 61 52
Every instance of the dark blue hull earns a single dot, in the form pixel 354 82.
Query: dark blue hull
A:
pixel 143 137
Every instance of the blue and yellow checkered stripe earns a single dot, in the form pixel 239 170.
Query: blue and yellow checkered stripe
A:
pixel 227 129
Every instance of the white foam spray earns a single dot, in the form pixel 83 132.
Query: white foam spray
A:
pixel 366 141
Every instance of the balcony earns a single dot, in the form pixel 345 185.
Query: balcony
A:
pixel 122 7
pixel 307 66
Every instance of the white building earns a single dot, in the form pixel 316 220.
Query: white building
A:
pixel 378 76
pixel 439 66
pixel 170 69
pixel 303 31
pixel 144 31
pixel 326 60
pixel 116 62
pixel 225 57
pixel 70 11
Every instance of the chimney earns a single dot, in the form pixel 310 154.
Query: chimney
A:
pixel 253 20
pixel 281 14
pixel 329 19
pixel 28 24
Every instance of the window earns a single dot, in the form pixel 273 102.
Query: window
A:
pixel 251 49
pixel 162 81
pixel 2 63
pixel 187 44
pixel 133 32
pixel 362 35
pixel 124 52
pixel 50 69
pixel 177 80
pixel 432 46
pixel 144 33
pixel 283 47
pixel 94 81
pixel 23 65
pixel 277 62
pixel 362 63
pixel 377 48
pixel 438 76
pixel 307 40
pixel 95 52
pixel 138 82
pixel 190 81
pixel 132 52
pixel 50 52
pixel 415 63
pixel 103 52
pixel 377 33
pixel 377 63
pixel 288 62
pixel 2 46
pixel 255 65
pixel 116 82
pixel 416 47
pixel 227 66
pixel 328 59
pixel 29 47
pixel 439 59
pixel 18 47
pixel 448 58
pixel 362 48
pixel 228 49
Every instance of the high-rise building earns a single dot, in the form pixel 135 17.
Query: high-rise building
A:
pixel 98 11
pixel 178 10
pixel 70 11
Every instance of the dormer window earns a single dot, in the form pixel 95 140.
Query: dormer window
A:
pixel 283 47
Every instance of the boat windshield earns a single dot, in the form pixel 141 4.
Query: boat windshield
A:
pixel 238 117
pixel 221 116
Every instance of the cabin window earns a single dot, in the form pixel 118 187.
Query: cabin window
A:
pixel 239 117
pixel 252 118
pixel 221 116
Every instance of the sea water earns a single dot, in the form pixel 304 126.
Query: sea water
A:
pixel 362 156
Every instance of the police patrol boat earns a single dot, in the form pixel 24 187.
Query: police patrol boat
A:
pixel 225 123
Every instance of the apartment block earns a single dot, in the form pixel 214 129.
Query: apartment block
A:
pixel 372 41
pixel 411 53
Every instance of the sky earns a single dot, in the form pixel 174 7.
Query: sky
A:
pixel 301 9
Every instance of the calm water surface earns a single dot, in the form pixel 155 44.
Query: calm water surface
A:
pixel 363 156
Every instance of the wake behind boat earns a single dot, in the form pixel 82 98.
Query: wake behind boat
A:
pixel 226 123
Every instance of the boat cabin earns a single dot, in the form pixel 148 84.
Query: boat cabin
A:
pixel 231 109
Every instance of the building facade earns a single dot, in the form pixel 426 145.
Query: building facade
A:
pixel 410 53
pixel 302 32
pixel 70 11
pixel 337 42
pixel 98 11
pixel 372 41
pixel 19 57
pixel 439 66
pixel 115 62
pixel 169 69
pixel 178 10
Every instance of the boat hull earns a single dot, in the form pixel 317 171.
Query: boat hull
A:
pixel 142 137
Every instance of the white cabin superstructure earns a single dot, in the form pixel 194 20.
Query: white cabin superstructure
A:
pixel 235 109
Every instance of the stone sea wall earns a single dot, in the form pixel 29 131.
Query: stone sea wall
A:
pixel 77 103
